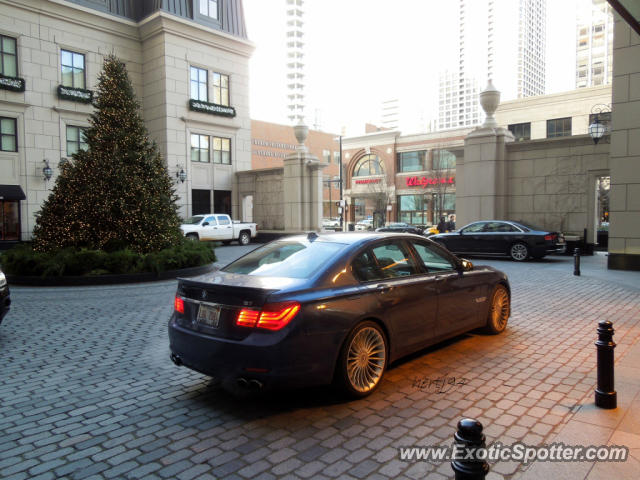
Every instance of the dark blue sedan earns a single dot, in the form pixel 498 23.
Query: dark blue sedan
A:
pixel 338 307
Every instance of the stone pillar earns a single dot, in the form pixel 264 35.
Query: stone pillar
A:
pixel 302 187
pixel 481 176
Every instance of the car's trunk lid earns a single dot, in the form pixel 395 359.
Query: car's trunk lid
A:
pixel 213 301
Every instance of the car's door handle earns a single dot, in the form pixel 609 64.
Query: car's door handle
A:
pixel 383 288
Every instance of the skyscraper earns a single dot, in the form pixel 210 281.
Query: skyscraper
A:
pixel 594 43
pixel 501 40
pixel 295 60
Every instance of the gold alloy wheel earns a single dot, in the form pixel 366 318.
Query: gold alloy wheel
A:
pixel 499 313
pixel 366 359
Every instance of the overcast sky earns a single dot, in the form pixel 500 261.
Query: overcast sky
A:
pixel 360 52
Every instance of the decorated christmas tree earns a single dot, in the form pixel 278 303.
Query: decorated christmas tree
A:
pixel 118 190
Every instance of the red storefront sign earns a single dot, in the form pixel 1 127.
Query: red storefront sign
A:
pixel 424 181
pixel 368 180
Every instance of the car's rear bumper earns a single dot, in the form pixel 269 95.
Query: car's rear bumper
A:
pixel 286 361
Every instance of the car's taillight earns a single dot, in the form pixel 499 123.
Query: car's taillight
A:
pixel 550 238
pixel 178 305
pixel 248 317
pixel 273 316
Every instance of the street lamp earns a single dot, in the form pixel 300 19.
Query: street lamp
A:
pixel 181 175
pixel 597 129
pixel 46 171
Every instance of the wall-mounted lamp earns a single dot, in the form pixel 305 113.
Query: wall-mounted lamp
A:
pixel 597 129
pixel 181 174
pixel 46 171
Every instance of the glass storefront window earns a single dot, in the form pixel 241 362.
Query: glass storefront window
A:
pixel 413 209
pixel 9 220
pixel 412 161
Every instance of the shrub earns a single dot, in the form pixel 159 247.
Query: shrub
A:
pixel 23 260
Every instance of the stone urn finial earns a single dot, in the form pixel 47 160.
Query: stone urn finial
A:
pixel 301 132
pixel 490 99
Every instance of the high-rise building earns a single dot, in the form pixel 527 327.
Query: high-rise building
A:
pixel 501 40
pixel 295 60
pixel 390 114
pixel 594 43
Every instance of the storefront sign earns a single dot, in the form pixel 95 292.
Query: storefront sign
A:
pixel 424 181
pixel 368 180
pixel 212 108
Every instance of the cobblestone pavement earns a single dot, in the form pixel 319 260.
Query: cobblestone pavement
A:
pixel 87 389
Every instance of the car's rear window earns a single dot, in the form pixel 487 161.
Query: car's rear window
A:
pixel 286 258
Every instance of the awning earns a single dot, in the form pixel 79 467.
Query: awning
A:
pixel 11 192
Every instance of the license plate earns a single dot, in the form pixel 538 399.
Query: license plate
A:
pixel 209 315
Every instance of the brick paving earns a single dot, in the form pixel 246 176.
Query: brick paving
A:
pixel 87 389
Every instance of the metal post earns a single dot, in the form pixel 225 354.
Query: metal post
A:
pixel 576 262
pixel 341 206
pixel 330 209
pixel 469 438
pixel 606 396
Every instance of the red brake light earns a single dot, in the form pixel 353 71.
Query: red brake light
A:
pixel 272 316
pixel 247 317
pixel 277 315
pixel 549 237
pixel 178 305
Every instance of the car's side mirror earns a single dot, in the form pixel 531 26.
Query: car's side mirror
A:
pixel 466 265
pixel 205 224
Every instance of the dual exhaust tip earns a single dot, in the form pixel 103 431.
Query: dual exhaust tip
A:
pixel 253 384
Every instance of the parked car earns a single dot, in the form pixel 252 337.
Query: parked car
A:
pixel 366 224
pixel 331 224
pixel 218 226
pixel 400 227
pixel 335 307
pixel 5 298
pixel 502 238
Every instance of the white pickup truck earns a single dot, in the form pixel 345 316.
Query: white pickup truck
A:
pixel 218 226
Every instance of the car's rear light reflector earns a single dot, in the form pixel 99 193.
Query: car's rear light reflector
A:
pixel 278 315
pixel 272 316
pixel 549 237
pixel 247 317
pixel 178 305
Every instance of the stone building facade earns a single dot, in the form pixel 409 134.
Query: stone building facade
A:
pixel 189 68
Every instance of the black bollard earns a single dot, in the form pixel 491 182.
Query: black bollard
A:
pixel 576 262
pixel 606 396
pixel 469 437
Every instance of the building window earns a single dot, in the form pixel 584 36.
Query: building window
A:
pixel 199 148
pixel 221 89
pixel 72 69
pixel 8 57
pixel 198 84
pixel 326 156
pixel 368 165
pixel 412 161
pixel 8 135
pixel 209 8
pixel 521 131
pixel 222 150
pixel 75 140
pixel 559 127
pixel 336 158
pixel 443 160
